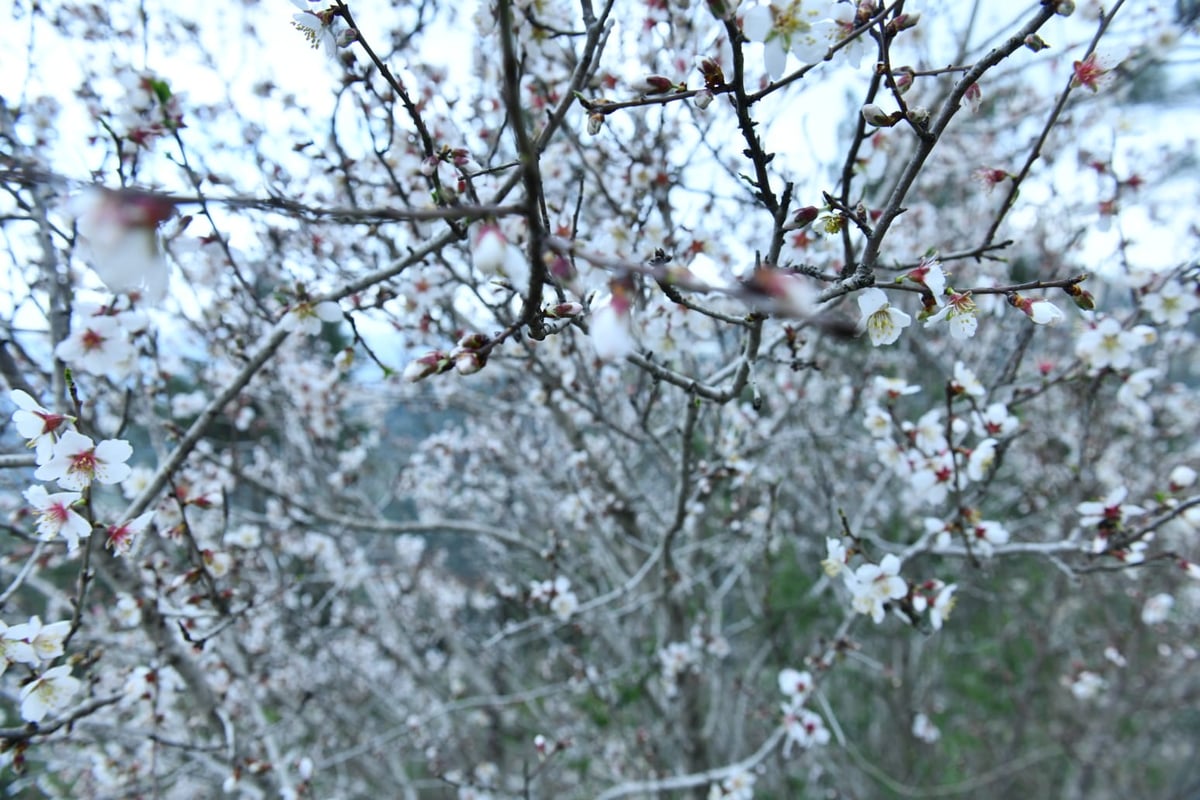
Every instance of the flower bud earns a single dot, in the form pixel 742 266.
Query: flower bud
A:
pixel 903 22
pixel 904 79
pixel 595 123
pixel 468 362
pixel 1064 8
pixel 804 216
pixel 431 363
pixel 1035 43
pixel 473 341
pixel 563 310
pixel 919 115
pixel 1081 297
pixel 655 84
pixel 703 99
pixel 874 115
pixel 347 37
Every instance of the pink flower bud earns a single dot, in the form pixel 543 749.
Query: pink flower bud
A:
pixel 804 216
pixel 431 363
pixel 491 249
pixel 563 310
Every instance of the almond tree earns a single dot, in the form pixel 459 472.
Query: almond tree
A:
pixel 598 399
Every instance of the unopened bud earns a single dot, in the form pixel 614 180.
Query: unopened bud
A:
pixel 919 116
pixel 431 363
pixel 703 99
pixel 904 79
pixel 1064 8
pixel 473 341
pixel 468 362
pixel 805 216
pixel 655 84
pixel 595 123
pixel 1035 43
pixel 347 37
pixel 874 115
pixel 903 22
pixel 1081 297
pixel 563 310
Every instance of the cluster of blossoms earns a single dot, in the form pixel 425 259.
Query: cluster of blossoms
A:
pixel 33 643
pixel 74 462
pixel 873 586
pixel 883 323
pixel 557 595
pixel 804 728
pixel 931 454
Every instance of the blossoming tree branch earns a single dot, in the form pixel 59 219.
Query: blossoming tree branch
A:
pixel 539 398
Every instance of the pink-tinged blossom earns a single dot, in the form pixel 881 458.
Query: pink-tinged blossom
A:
pixel 803 727
pixel 76 461
pixel 1111 511
pixel 892 388
pixel 122 538
pixel 872 586
pixel 56 517
pixel 1089 73
pixel 306 317
pixel 960 314
pixel 98 345
pixel 50 693
pixel 785 27
pixel 36 424
pixel 1170 305
pixel 795 685
pixel 995 421
pixel 929 274
pixel 1040 312
pixel 988 535
pixel 881 322
pixel 966 382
